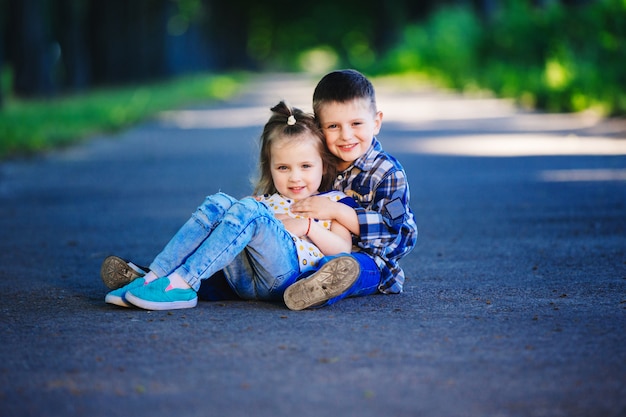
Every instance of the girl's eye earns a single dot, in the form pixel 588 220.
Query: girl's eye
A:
pixel 281 168
pixel 306 166
pixel 331 127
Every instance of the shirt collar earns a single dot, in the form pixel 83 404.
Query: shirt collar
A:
pixel 366 161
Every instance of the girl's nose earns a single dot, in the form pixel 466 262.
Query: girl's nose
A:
pixel 294 176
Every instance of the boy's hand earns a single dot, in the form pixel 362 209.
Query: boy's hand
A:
pixel 315 207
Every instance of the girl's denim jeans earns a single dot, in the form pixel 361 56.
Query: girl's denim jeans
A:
pixel 240 237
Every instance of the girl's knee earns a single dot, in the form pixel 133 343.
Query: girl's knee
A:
pixel 247 206
pixel 213 208
pixel 222 200
pixel 247 211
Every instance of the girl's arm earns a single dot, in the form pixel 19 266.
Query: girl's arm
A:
pixel 331 242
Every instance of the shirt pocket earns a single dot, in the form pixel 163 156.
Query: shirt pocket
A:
pixel 363 195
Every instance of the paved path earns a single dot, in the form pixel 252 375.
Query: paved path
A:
pixel 515 303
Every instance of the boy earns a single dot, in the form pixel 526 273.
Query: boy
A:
pixel 344 102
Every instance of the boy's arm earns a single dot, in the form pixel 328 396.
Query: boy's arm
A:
pixel 387 227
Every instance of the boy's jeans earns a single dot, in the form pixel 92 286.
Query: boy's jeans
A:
pixel 241 237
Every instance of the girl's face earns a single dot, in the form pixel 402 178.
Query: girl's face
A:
pixel 296 166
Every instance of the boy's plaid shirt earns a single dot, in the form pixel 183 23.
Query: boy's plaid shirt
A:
pixel 378 183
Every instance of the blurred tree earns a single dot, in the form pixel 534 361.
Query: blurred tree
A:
pixel 126 40
pixel 229 24
pixel 2 25
pixel 57 45
pixel 30 49
pixel 70 18
pixel 188 45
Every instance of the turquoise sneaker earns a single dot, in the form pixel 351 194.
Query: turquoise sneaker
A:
pixel 117 297
pixel 155 296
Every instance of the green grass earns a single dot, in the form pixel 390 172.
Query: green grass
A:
pixel 32 126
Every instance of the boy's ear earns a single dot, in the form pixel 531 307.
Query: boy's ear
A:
pixel 378 122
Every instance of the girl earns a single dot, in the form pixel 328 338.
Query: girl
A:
pixel 257 242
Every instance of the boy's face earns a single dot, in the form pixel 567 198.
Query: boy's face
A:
pixel 349 128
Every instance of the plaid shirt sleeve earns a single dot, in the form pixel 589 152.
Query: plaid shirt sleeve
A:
pixel 388 230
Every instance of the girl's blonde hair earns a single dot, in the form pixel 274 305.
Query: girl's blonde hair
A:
pixel 291 123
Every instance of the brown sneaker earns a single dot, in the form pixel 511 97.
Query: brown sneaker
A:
pixel 331 280
pixel 117 272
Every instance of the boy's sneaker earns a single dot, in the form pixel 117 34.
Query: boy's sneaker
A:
pixel 155 297
pixel 117 272
pixel 117 296
pixel 332 279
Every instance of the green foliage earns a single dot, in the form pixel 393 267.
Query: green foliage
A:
pixel 556 58
pixel 32 126
pixel 282 36
pixel 444 48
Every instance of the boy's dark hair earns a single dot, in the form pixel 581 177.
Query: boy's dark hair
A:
pixel 341 86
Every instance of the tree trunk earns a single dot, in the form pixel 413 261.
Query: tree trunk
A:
pixel 32 49
pixel 72 36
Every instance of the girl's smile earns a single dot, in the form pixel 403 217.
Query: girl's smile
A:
pixel 297 190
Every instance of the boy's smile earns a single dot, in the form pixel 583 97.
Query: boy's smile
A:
pixel 349 128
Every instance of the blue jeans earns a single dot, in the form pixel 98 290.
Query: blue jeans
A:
pixel 366 283
pixel 241 237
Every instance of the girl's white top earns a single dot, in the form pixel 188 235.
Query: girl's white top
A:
pixel 308 254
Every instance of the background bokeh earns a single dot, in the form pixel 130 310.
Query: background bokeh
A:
pixel 558 54
pixel 551 55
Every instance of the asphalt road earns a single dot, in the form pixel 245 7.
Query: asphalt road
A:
pixel 515 302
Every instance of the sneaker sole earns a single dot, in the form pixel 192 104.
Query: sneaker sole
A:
pixel 154 305
pixel 115 272
pixel 331 280
pixel 116 300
